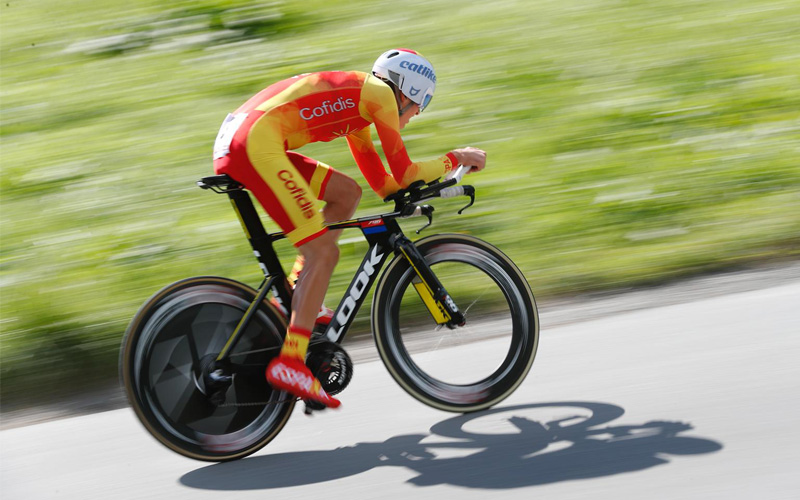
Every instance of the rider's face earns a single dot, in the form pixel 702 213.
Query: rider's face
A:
pixel 410 113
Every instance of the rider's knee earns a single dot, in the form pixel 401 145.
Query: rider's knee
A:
pixel 353 192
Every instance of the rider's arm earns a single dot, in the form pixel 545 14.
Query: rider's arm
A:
pixel 370 164
pixel 378 105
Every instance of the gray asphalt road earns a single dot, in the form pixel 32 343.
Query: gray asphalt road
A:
pixel 689 400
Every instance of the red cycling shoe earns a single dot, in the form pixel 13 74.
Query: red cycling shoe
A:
pixel 293 376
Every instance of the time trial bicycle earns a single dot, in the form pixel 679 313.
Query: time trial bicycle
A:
pixel 194 356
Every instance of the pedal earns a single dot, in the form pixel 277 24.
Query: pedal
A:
pixel 312 406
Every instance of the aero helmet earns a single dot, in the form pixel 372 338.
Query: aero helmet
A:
pixel 410 72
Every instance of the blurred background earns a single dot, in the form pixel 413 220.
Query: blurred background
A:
pixel 630 143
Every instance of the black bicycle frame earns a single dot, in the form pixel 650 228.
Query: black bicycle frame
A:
pixel 385 238
pixel 381 235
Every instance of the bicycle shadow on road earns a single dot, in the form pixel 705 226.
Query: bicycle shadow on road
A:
pixel 518 446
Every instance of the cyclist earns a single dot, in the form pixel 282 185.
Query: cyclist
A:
pixel 256 146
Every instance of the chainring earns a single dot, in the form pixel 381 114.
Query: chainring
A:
pixel 327 360
pixel 331 364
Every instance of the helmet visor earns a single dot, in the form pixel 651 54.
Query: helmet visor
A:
pixel 426 99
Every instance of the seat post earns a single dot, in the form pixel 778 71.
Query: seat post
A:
pixel 260 241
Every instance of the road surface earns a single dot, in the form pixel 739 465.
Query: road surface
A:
pixel 686 400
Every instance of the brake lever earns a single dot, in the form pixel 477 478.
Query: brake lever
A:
pixel 469 191
pixel 427 211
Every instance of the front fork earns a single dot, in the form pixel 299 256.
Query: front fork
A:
pixel 433 294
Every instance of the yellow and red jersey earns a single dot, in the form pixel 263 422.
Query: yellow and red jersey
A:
pixel 322 106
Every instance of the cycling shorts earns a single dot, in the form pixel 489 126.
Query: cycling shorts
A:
pixel 286 183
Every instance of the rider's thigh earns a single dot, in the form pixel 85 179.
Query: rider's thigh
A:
pixel 327 183
pixel 315 173
pixel 284 193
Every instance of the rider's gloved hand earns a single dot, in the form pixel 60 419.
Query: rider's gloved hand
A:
pixel 288 372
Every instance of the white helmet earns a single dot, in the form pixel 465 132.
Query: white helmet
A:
pixel 410 72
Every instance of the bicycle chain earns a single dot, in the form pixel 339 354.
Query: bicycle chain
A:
pixel 314 340
pixel 258 403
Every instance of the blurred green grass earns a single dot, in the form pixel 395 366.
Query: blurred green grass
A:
pixel 630 143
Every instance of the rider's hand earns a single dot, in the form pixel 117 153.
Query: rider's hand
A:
pixel 471 157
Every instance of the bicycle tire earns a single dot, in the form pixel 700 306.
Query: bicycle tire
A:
pixel 161 365
pixel 473 272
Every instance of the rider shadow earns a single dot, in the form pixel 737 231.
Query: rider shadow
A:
pixel 577 445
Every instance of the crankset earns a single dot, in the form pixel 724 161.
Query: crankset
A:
pixel 332 366
pixel 327 360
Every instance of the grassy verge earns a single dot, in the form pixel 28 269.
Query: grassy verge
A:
pixel 629 143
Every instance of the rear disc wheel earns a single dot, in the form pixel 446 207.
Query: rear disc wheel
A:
pixel 165 354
